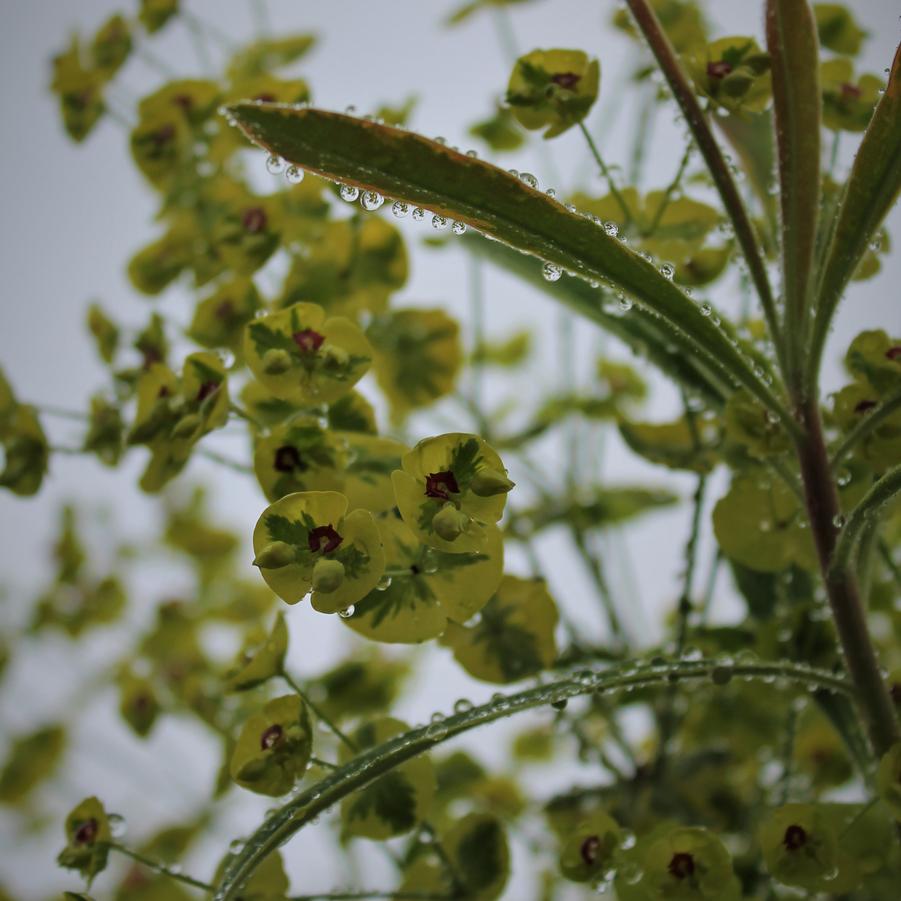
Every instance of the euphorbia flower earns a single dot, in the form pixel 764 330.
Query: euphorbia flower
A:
pixel 450 488
pixel 307 540
pixel 301 356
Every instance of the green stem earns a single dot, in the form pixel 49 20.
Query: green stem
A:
pixel 670 188
pixel 593 564
pixel 160 868
pixel 243 414
pixel 62 413
pixel 639 145
pixel 866 425
pixel 788 753
pixel 861 517
pixel 319 714
pixel 356 896
pixel 627 213
pixel 199 42
pixel 842 587
pixel 375 762
pixel 722 178
pixel 886 556
pixel 222 460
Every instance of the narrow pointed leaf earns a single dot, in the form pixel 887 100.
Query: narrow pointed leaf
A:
pixel 400 164
pixel 792 43
pixel 870 192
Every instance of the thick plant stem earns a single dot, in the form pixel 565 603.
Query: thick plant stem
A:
pixel 669 64
pixel 842 588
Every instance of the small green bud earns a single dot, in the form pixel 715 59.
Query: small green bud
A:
pixel 489 482
pixel 276 361
pixel 327 575
pixel 336 357
pixel 275 556
pixel 737 83
pixel 449 523
pixel 187 426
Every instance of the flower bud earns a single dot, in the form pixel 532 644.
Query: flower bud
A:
pixel 276 361
pixel 449 523
pixel 275 556
pixel 336 356
pixel 488 482
pixel 327 575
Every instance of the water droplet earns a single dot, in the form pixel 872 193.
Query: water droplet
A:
pixel 551 192
pixel 838 520
pixel 571 208
pixel 528 179
pixel 843 477
pixel 294 175
pixel 371 200
pixel 440 140
pixel 383 584
pixel 400 209
pixel 625 303
pixel 350 110
pixel 174 869
pixel 237 846
pixel 611 228
pixel 349 193
pixel 472 154
pixel 418 214
pixel 347 612
pixel 117 825
pixel 668 270
pixel 514 172
pixel 439 222
pixel 274 164
pixel 706 309
pixel 463 705
pixel 436 730
pixel 458 228
pixel 550 272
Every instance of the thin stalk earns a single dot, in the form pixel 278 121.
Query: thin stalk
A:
pixel 627 213
pixel 198 39
pixel 222 460
pixel 373 893
pixel 866 425
pixel 669 64
pixel 593 565
pixel 670 188
pixel 788 753
pixel 640 144
pixel 374 762
pixel 243 414
pixel 62 413
pixel 477 312
pixel 842 587
pixel 261 17
pixel 318 713
pixel 711 583
pixel 160 868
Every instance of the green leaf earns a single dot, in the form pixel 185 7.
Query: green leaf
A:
pixel 671 444
pixel 266 662
pixel 477 847
pixel 837 28
pixel 792 42
pixel 397 801
pixel 869 194
pixel 407 166
pixel 31 759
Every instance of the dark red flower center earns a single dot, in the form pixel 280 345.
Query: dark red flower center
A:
pixel 894 353
pixel 849 91
pixel 254 220
pixel 682 865
pixel 718 68
pixel 206 389
pixel 441 485
pixel 309 340
pixel 589 849
pixel 86 832
pixel 795 837
pixel 185 101
pixel 265 98
pixel 162 136
pixel 287 459
pixel 225 309
pixel 271 737
pixel 864 406
pixel 324 539
pixel 566 80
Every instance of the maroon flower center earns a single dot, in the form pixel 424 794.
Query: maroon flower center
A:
pixel 87 832
pixel 271 737
pixel 849 91
pixel 324 539
pixel 718 69
pixel 162 136
pixel 206 389
pixel 566 80
pixel 225 310
pixel 185 101
pixel 589 849
pixel 795 837
pixel 309 340
pixel 254 220
pixel 152 355
pixel 441 484
pixel 682 865
pixel 894 353
pixel 864 406
pixel 287 459
pixel 265 98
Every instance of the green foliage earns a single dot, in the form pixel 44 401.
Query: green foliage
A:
pixel 713 743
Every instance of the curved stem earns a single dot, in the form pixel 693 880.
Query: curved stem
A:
pixel 670 188
pixel 375 762
pixel 861 517
pixel 319 714
pixel 627 213
pixel 666 57
pixel 866 425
